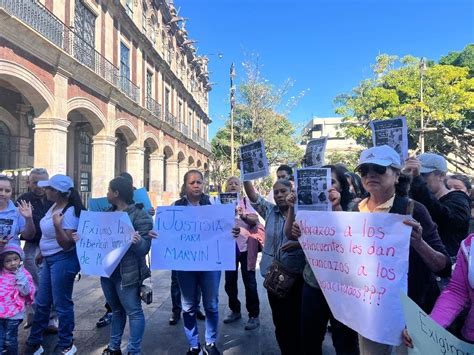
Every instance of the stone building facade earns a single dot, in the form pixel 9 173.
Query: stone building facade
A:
pixel 92 88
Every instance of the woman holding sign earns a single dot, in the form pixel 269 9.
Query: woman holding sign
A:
pixel 122 288
pixel 192 283
pixel 286 308
pixel 379 168
pixel 60 265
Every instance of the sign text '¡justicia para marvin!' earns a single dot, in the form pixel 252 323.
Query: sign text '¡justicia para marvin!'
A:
pixel 178 225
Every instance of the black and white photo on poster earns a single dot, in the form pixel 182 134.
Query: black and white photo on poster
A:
pixel 315 149
pixel 312 186
pixel 253 161
pixel 229 197
pixel 6 227
pixel 392 132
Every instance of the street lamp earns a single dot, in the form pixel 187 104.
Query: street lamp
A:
pixel 422 123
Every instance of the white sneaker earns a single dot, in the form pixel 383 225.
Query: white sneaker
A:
pixel 69 351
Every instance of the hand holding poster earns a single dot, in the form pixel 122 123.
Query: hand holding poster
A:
pixel 312 185
pixel 314 155
pixel 361 262
pixel 253 161
pixel 194 238
pixel 104 239
pixel 394 133
pixel 429 337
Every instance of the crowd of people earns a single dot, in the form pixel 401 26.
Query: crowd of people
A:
pixel 36 282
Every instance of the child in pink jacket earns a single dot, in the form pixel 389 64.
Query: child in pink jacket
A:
pixel 459 293
pixel 16 291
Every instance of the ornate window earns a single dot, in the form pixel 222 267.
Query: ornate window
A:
pixel 84 42
pixel 85 142
pixel 129 7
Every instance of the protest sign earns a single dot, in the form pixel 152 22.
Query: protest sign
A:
pixel 392 132
pixel 194 238
pixel 100 204
pixel 361 262
pixel 314 155
pixel 253 161
pixel 429 337
pixel 104 239
pixel 141 196
pixel 229 197
pixel 312 185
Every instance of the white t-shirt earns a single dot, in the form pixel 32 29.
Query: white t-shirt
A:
pixel 12 223
pixel 48 243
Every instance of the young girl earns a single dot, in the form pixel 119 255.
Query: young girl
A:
pixel 16 291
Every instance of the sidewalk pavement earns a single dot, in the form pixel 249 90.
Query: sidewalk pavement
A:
pixel 160 337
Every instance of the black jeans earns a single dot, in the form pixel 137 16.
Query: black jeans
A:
pixel 315 314
pixel 286 318
pixel 251 295
pixel 175 293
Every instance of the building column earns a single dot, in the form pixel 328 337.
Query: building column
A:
pixel 156 176
pixel 172 182
pixel 103 164
pixel 51 144
pixel 183 168
pixel 19 148
pixel 135 163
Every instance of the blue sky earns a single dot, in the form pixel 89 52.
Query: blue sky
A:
pixel 326 46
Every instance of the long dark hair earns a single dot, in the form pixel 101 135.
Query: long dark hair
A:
pixel 182 193
pixel 346 196
pixel 356 181
pixel 124 187
pixel 73 200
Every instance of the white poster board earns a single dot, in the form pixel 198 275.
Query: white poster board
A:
pixel 427 336
pixel 105 237
pixel 361 262
pixel 392 132
pixel 312 185
pixel 194 238
pixel 315 150
pixel 253 161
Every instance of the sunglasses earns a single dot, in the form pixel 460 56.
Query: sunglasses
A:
pixel 378 169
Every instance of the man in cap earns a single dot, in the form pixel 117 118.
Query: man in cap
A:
pixel 449 209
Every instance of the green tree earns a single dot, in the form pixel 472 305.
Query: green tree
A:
pixel 260 113
pixel 395 91
pixel 465 58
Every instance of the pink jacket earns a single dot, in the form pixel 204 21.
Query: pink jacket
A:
pixel 14 294
pixel 458 294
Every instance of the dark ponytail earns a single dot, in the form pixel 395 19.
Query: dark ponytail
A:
pixel 73 200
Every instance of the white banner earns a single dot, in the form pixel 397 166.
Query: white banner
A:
pixel 361 263
pixel 104 239
pixel 194 238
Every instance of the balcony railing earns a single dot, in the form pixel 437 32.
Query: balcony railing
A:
pixel 43 21
pixel 129 88
pixel 184 129
pixel 154 107
pixel 170 119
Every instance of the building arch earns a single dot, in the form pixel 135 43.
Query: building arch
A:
pixel 10 122
pixel 191 160
pixel 90 111
pixel 152 141
pixel 35 91
pixel 127 129
pixel 181 157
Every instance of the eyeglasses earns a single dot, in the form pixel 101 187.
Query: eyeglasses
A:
pixel 378 169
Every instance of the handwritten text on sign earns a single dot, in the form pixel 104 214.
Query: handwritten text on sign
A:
pixel 104 239
pixel 194 238
pixel 361 262
pixel 428 336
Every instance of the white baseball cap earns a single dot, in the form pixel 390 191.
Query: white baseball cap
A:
pixel 62 183
pixel 431 162
pixel 382 155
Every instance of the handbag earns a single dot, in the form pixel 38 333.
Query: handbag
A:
pixel 279 279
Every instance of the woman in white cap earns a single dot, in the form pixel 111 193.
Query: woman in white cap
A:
pixel 60 265
pixel 379 168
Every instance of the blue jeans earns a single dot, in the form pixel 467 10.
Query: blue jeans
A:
pixel 9 336
pixel 192 283
pixel 55 288
pixel 124 301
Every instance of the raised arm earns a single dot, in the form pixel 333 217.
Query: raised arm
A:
pixel 250 191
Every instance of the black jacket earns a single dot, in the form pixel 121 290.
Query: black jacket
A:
pixel 40 207
pixel 451 213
